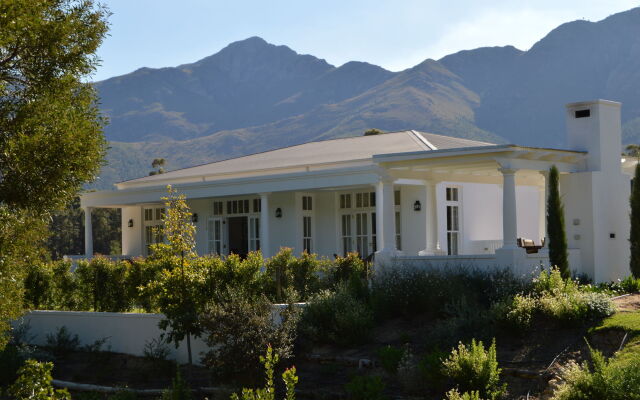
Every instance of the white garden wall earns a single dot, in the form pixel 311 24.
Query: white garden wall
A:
pixel 127 332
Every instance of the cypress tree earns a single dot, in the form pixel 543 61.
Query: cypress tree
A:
pixel 558 254
pixel 634 236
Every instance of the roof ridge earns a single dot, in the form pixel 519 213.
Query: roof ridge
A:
pixel 427 143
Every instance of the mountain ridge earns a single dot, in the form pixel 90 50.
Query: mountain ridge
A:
pixel 255 96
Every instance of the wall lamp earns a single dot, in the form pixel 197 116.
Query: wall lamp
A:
pixel 130 224
pixel 417 206
pixel 194 218
pixel 278 212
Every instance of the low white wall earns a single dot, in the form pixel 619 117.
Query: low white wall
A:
pixel 127 332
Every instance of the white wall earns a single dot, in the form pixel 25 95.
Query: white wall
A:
pixel 127 332
pixel 132 237
pixel 413 224
pixel 282 231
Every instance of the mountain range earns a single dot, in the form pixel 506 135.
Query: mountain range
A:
pixel 254 96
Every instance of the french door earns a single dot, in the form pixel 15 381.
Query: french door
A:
pixel 214 236
pixel 358 233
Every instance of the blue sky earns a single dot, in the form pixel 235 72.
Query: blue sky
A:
pixel 395 34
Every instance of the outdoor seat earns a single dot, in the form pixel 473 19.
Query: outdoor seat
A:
pixel 529 245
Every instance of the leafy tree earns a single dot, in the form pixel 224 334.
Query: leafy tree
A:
pixel 373 132
pixel 633 150
pixel 177 289
pixel 158 166
pixel 634 237
pixel 34 383
pixel 558 253
pixel 51 138
pixel 289 378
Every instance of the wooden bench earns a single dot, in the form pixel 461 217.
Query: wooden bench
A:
pixel 529 245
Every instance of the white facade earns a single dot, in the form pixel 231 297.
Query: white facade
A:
pixel 408 197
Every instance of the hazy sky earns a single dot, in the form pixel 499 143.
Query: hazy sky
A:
pixel 395 34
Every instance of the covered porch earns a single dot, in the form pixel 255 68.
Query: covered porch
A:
pixel 443 207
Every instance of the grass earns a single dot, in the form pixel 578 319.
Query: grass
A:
pixel 626 321
pixel 630 323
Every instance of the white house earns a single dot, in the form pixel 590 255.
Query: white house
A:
pixel 409 197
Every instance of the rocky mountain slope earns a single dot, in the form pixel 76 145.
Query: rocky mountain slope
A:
pixel 254 96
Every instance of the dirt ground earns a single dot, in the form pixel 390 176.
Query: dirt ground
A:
pixel 528 362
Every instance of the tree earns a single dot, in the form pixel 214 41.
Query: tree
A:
pixel 51 139
pixel 178 289
pixel 158 166
pixel 373 132
pixel 558 253
pixel 634 237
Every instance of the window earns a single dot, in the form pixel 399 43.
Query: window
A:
pixel 345 200
pixel 307 203
pixel 346 234
pixel 398 230
pixel 452 194
pixel 365 200
pixel 214 235
pixel 396 197
pixel 238 207
pixel 254 233
pixel 217 208
pixel 257 205
pixel 362 234
pixel 306 234
pixel 153 226
pixel 453 220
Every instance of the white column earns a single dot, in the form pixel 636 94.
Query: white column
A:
pixel 433 244
pixel 88 233
pixel 264 225
pixel 544 192
pixel 386 217
pixel 509 211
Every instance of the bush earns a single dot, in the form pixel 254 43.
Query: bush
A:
pixel 561 300
pixel 62 342
pixel 412 291
pixel 474 368
pixel 289 378
pixel 239 328
pixel 336 317
pixel 38 286
pixel 66 295
pixel 179 389
pixel 390 358
pixel 34 383
pixel 362 387
pixel 604 380
pixel 102 283
pixel 453 394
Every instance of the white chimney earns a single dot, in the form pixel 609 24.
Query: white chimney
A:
pixel 595 127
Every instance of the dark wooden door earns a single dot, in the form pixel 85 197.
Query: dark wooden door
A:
pixel 238 235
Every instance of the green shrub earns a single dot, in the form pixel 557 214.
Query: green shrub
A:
pixel 66 293
pixel 337 317
pixel 453 394
pixel 179 389
pixel 289 378
pixel 103 284
pixel 239 328
pixel 474 368
pixel 139 274
pixel 390 358
pixel 605 379
pixel 364 387
pixel 411 291
pixel 62 342
pixel 305 275
pixel 38 286
pixel 34 383
pixel 561 300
